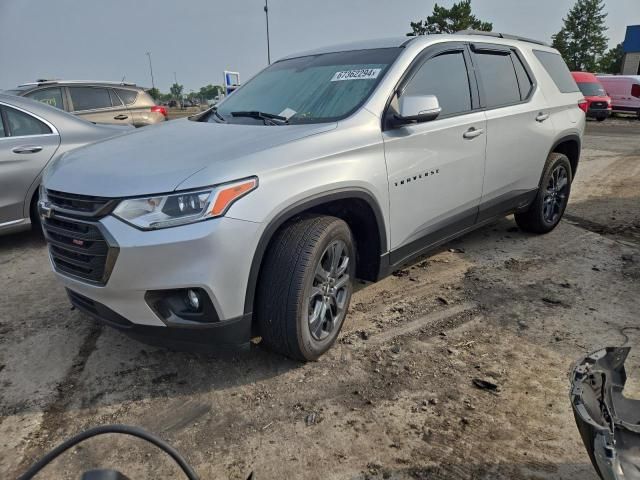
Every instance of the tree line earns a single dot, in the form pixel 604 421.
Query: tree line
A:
pixel 176 92
pixel 582 40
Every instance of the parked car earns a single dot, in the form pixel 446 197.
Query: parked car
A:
pixel 98 102
pixel 624 91
pixel 32 135
pixel 598 102
pixel 361 158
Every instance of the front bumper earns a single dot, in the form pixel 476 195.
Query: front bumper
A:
pixel 234 334
pixel 212 255
pixel 598 113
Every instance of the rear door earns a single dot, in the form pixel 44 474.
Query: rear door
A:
pixel 435 168
pixel 519 130
pixel 98 105
pixel 139 106
pixel 27 143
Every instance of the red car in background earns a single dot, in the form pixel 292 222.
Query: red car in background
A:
pixel 598 102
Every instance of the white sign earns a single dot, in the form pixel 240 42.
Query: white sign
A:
pixel 361 74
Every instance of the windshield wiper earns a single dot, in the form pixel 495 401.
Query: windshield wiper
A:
pixel 265 117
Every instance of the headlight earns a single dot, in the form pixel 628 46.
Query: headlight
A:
pixel 161 211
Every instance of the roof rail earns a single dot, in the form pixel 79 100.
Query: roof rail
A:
pixel 101 82
pixel 501 35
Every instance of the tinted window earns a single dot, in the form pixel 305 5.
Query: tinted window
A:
pixel 115 100
pixel 444 76
pixel 2 134
pixel 592 89
pixel 20 124
pixel 499 80
pixel 557 70
pixel 50 96
pixel 88 98
pixel 524 81
pixel 127 96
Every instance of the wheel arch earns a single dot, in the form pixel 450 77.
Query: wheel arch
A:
pixel 569 145
pixel 357 206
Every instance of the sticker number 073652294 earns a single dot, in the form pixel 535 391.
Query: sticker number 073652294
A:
pixel 360 74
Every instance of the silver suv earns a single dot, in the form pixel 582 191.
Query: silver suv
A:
pixel 97 102
pixel 328 166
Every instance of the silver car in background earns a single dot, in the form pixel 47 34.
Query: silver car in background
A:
pixel 117 103
pixel 31 135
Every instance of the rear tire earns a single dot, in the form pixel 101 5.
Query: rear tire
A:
pixel 305 286
pixel 601 119
pixel 547 209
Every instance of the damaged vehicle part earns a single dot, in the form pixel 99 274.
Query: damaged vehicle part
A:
pixel 609 423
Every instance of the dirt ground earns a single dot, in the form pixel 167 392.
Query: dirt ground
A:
pixel 394 398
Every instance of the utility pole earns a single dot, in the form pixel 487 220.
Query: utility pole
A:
pixel 153 85
pixel 175 79
pixel 266 13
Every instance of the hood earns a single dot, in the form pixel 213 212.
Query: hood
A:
pixel 158 158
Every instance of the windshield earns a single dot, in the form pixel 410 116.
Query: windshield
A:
pixel 592 89
pixel 312 89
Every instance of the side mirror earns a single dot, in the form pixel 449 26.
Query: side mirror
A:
pixel 417 109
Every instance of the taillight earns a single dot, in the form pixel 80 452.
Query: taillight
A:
pixel 159 109
pixel 583 105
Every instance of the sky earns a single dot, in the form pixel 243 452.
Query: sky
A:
pixel 199 39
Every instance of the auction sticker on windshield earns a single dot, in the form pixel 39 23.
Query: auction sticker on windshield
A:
pixel 361 74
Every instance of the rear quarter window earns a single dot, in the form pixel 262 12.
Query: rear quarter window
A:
pixel 127 96
pixel 557 70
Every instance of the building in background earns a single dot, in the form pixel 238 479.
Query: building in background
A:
pixel 631 49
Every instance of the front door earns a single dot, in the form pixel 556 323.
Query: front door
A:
pixel 436 168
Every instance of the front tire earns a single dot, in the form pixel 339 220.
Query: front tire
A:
pixel 547 209
pixel 305 286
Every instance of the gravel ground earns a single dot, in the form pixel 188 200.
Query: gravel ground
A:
pixel 394 398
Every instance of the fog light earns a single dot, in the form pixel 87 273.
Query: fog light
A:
pixel 194 299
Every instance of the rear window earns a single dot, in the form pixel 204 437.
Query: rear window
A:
pixel 558 70
pixel 21 125
pixel 499 79
pixel 127 96
pixel 89 98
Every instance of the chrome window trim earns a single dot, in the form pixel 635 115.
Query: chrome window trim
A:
pixel 54 130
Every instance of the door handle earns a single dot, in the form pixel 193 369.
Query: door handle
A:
pixel 121 117
pixel 542 117
pixel 473 133
pixel 27 149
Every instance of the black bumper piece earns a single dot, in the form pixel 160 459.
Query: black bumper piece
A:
pixel 226 335
pixel 598 113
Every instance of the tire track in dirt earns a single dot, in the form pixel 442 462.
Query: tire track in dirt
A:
pixel 53 418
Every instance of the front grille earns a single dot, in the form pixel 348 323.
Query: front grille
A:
pixel 79 248
pixel 80 205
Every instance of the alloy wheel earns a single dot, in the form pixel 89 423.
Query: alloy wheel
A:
pixel 329 291
pixel 555 196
